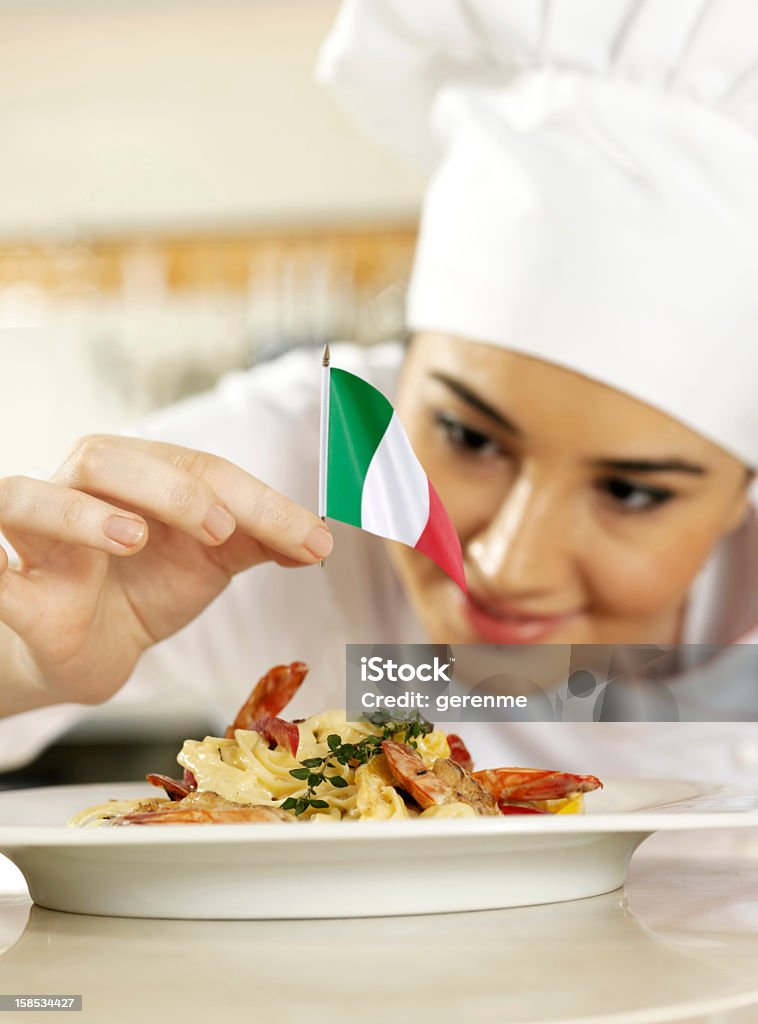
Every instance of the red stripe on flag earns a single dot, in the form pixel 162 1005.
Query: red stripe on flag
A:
pixel 439 541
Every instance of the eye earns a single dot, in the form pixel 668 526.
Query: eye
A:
pixel 465 438
pixel 634 497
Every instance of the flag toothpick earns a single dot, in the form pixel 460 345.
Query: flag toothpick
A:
pixel 324 435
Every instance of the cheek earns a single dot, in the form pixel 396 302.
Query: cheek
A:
pixel 649 572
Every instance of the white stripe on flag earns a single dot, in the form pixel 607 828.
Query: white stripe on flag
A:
pixel 395 498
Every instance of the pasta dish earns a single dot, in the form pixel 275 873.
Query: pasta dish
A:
pixel 325 768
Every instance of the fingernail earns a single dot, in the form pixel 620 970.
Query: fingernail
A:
pixel 219 523
pixel 319 542
pixel 124 531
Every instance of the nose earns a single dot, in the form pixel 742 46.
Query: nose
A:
pixel 528 549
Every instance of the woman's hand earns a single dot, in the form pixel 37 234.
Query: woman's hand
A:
pixel 130 541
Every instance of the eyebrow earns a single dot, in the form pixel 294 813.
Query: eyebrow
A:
pixel 477 402
pixel 668 465
pixel 651 466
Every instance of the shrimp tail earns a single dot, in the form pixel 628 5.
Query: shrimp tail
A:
pixel 175 790
pixel 270 695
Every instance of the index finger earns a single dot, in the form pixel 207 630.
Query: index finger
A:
pixel 262 513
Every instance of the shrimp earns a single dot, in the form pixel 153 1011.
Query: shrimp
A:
pixel 277 731
pixel 271 694
pixel 447 782
pixel 515 785
pixel 199 809
pixel 197 816
pixel 410 773
pixel 459 752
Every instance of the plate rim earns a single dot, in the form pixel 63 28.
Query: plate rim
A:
pixel 641 822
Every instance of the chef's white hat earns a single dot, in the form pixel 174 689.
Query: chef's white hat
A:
pixel 594 191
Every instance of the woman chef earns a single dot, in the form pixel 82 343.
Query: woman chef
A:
pixel 580 387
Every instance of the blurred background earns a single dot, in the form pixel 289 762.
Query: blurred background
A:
pixel 180 199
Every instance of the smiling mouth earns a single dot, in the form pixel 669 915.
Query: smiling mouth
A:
pixel 497 623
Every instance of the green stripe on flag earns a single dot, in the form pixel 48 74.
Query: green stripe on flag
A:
pixel 358 417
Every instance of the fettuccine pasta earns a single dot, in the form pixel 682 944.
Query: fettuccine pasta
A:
pixel 245 770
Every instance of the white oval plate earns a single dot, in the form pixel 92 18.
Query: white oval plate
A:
pixel 345 869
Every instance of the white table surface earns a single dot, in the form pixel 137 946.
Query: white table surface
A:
pixel 678 943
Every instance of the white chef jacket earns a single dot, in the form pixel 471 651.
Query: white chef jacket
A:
pixel 267 421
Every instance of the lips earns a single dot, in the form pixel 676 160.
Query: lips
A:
pixel 496 624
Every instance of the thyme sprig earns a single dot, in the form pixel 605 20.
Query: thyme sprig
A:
pixel 313 769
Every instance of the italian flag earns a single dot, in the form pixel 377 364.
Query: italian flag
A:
pixel 370 476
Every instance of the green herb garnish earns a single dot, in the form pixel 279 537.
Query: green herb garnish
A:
pixel 313 770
